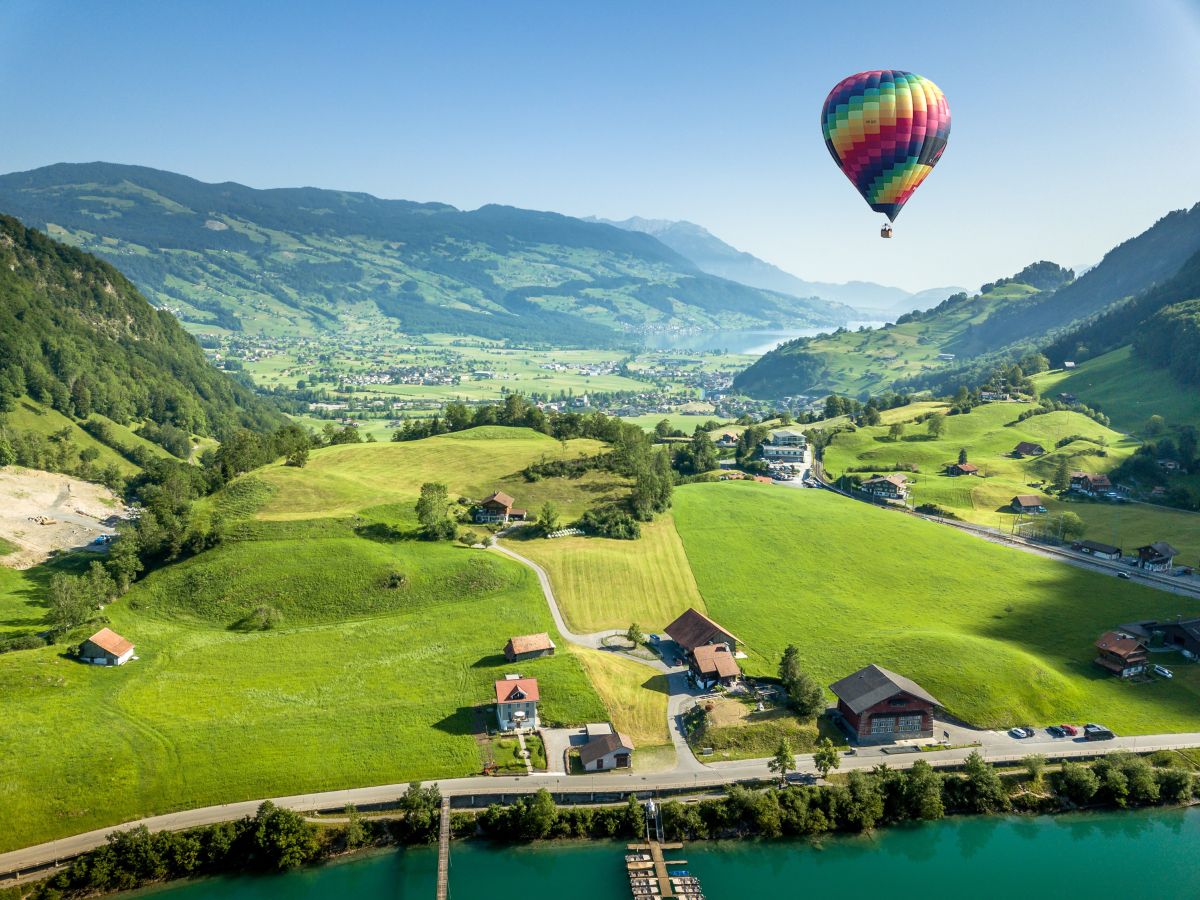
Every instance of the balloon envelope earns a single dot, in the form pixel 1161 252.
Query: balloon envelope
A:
pixel 886 130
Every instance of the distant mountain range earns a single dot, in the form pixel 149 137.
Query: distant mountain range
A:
pixel 305 261
pixel 712 255
pixel 1041 308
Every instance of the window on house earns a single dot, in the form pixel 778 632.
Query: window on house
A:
pixel 883 725
pixel 908 723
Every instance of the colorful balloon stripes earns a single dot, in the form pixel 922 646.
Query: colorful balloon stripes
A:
pixel 886 130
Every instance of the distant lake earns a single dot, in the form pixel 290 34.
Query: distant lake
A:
pixel 1117 854
pixel 752 342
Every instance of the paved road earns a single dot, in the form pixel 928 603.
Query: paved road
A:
pixel 996 749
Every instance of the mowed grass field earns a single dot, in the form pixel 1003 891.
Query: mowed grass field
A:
pixel 636 699
pixel 602 583
pixel 346 479
pixel 357 683
pixel 1001 637
pixel 989 433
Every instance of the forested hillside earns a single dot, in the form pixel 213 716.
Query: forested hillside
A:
pixel 76 336
pixel 303 261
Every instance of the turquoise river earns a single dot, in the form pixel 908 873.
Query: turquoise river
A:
pixel 1153 854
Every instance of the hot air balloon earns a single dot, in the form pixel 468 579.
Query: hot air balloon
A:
pixel 886 130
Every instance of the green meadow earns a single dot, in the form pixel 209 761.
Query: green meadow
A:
pixel 1001 637
pixel 989 433
pixel 381 649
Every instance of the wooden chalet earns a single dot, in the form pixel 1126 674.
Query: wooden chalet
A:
pixel 498 508
pixel 962 469
pixel 886 487
pixel 1097 549
pixel 1157 557
pixel 1028 504
pixel 1028 448
pixel 879 706
pixel 1121 653
pixel 714 664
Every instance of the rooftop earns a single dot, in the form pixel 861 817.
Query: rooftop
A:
pixel 501 498
pixel 1120 643
pixel 694 629
pixel 716 659
pixel 517 690
pixel 602 745
pixel 531 643
pixel 109 640
pixel 874 684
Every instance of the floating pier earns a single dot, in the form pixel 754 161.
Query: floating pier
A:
pixel 652 875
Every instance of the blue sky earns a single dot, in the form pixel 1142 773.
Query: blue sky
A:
pixel 1075 124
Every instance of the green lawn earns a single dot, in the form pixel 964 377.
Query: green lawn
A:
pixel 358 682
pixel 1000 636
pixel 989 433
pixel 1126 389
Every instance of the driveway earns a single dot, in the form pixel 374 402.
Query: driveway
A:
pixel 557 740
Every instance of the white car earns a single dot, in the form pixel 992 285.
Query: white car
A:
pixel 1163 672
pixel 1020 732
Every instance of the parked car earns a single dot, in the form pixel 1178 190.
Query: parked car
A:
pixel 1125 575
pixel 1094 732
pixel 1021 732
pixel 654 639
pixel 1070 729
pixel 1163 672
pixel 1056 731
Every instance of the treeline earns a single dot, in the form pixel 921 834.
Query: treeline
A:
pixel 76 336
pixel 1152 463
pixel 1170 339
pixel 273 840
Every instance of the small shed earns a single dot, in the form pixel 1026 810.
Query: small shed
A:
pixel 1027 503
pixel 528 646
pixel 106 648
pixel 607 751
pixel 965 468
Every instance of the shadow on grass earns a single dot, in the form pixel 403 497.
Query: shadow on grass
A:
pixel 383 533
pixel 463 721
pixel 660 684
pixel 489 662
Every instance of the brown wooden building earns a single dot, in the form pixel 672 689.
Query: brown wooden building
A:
pixel 498 508
pixel 528 646
pixel 879 706
pixel 1121 653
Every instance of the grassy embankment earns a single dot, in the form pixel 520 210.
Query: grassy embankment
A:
pixel 1000 636
pixel 989 433
pixel 357 682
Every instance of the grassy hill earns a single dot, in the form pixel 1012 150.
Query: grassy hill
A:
pixel 303 261
pixel 1001 637
pixel 989 433
pixel 1126 389
pixel 380 648
pixel 871 360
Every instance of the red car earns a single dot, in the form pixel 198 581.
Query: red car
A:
pixel 1070 729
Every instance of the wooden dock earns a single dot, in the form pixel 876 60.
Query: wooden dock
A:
pixel 443 878
pixel 657 868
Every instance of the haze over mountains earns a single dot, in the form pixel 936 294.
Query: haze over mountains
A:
pixel 714 256
pixel 302 261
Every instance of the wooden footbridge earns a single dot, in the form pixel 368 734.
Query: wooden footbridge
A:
pixel 443 878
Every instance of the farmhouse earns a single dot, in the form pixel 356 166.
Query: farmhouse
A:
pixel 1092 485
pixel 962 469
pixel 1095 548
pixel 1027 503
pixel 604 751
pixel 1121 653
pixel 1026 448
pixel 1157 557
pixel 887 487
pixel 878 706
pixel 516 703
pixel 106 648
pixel 693 629
pixel 498 508
pixel 727 440
pixel 714 664
pixel 528 646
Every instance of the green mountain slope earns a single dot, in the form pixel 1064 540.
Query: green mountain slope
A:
pixel 302 261
pixel 76 336
pixel 872 360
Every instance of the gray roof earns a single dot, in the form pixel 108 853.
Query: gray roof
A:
pixel 602 746
pixel 873 685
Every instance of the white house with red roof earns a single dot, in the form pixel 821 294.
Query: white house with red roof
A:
pixel 516 703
